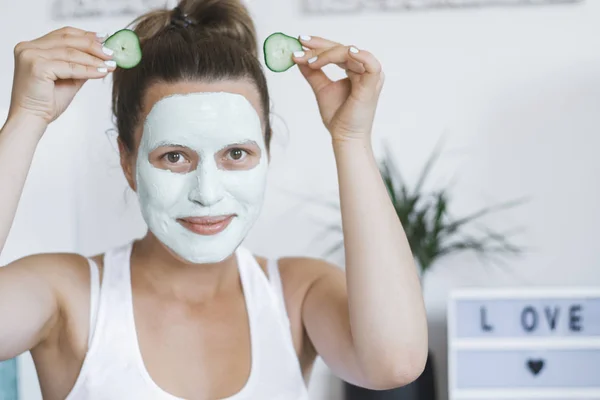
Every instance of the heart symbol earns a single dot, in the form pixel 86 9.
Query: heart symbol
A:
pixel 535 366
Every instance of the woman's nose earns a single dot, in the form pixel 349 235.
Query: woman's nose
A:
pixel 208 189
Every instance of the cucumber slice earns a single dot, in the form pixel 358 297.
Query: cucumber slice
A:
pixel 126 45
pixel 278 49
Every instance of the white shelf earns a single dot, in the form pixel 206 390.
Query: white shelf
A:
pixel 526 344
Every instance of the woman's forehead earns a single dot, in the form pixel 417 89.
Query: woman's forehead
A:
pixel 160 90
pixel 202 121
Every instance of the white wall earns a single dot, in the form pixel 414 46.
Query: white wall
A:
pixel 515 91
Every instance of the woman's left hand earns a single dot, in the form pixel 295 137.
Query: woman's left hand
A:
pixel 348 105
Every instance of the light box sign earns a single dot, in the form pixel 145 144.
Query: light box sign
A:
pixel 524 344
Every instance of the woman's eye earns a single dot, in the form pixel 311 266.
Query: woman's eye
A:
pixel 237 154
pixel 174 158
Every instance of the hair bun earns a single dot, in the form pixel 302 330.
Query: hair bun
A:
pixel 228 18
pixel 179 19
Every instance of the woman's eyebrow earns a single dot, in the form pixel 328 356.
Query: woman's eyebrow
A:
pixel 241 143
pixel 169 144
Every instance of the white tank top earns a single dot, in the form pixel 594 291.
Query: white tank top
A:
pixel 113 368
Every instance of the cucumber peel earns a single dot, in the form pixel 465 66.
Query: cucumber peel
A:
pixel 278 50
pixel 126 46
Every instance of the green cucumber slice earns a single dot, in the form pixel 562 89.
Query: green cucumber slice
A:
pixel 278 49
pixel 126 45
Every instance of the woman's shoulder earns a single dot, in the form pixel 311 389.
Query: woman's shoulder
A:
pixel 306 266
pixel 298 274
pixel 61 269
pixel 298 270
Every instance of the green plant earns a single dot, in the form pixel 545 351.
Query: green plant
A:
pixel 430 229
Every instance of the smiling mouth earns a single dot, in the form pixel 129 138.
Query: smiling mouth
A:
pixel 206 226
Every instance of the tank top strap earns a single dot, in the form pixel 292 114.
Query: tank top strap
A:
pixel 94 297
pixel 277 285
pixel 261 290
pixel 117 273
pixel 115 326
pixel 115 284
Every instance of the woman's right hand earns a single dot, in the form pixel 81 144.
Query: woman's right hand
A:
pixel 50 70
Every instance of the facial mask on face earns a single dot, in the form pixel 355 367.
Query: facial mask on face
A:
pixel 205 123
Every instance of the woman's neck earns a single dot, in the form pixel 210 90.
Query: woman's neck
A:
pixel 170 275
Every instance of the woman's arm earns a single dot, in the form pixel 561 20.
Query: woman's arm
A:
pixel 28 299
pixel 373 328
pixel 68 56
pixel 18 140
pixel 369 325
pixel 386 309
pixel 28 306
pixel 28 303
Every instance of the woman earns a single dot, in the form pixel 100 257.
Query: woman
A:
pixel 186 312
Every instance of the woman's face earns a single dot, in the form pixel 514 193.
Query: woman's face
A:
pixel 200 167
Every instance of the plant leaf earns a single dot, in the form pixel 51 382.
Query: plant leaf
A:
pixel 428 165
pixel 431 231
pixel 455 225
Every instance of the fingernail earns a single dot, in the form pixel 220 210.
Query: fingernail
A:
pixel 101 35
pixel 107 51
pixel 299 54
pixel 102 70
pixel 306 38
pixel 110 63
pixel 353 50
pixel 312 60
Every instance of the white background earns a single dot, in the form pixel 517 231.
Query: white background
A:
pixel 515 92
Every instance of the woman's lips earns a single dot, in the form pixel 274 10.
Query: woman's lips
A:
pixel 206 225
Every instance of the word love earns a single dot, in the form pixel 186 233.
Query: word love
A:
pixel 531 318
